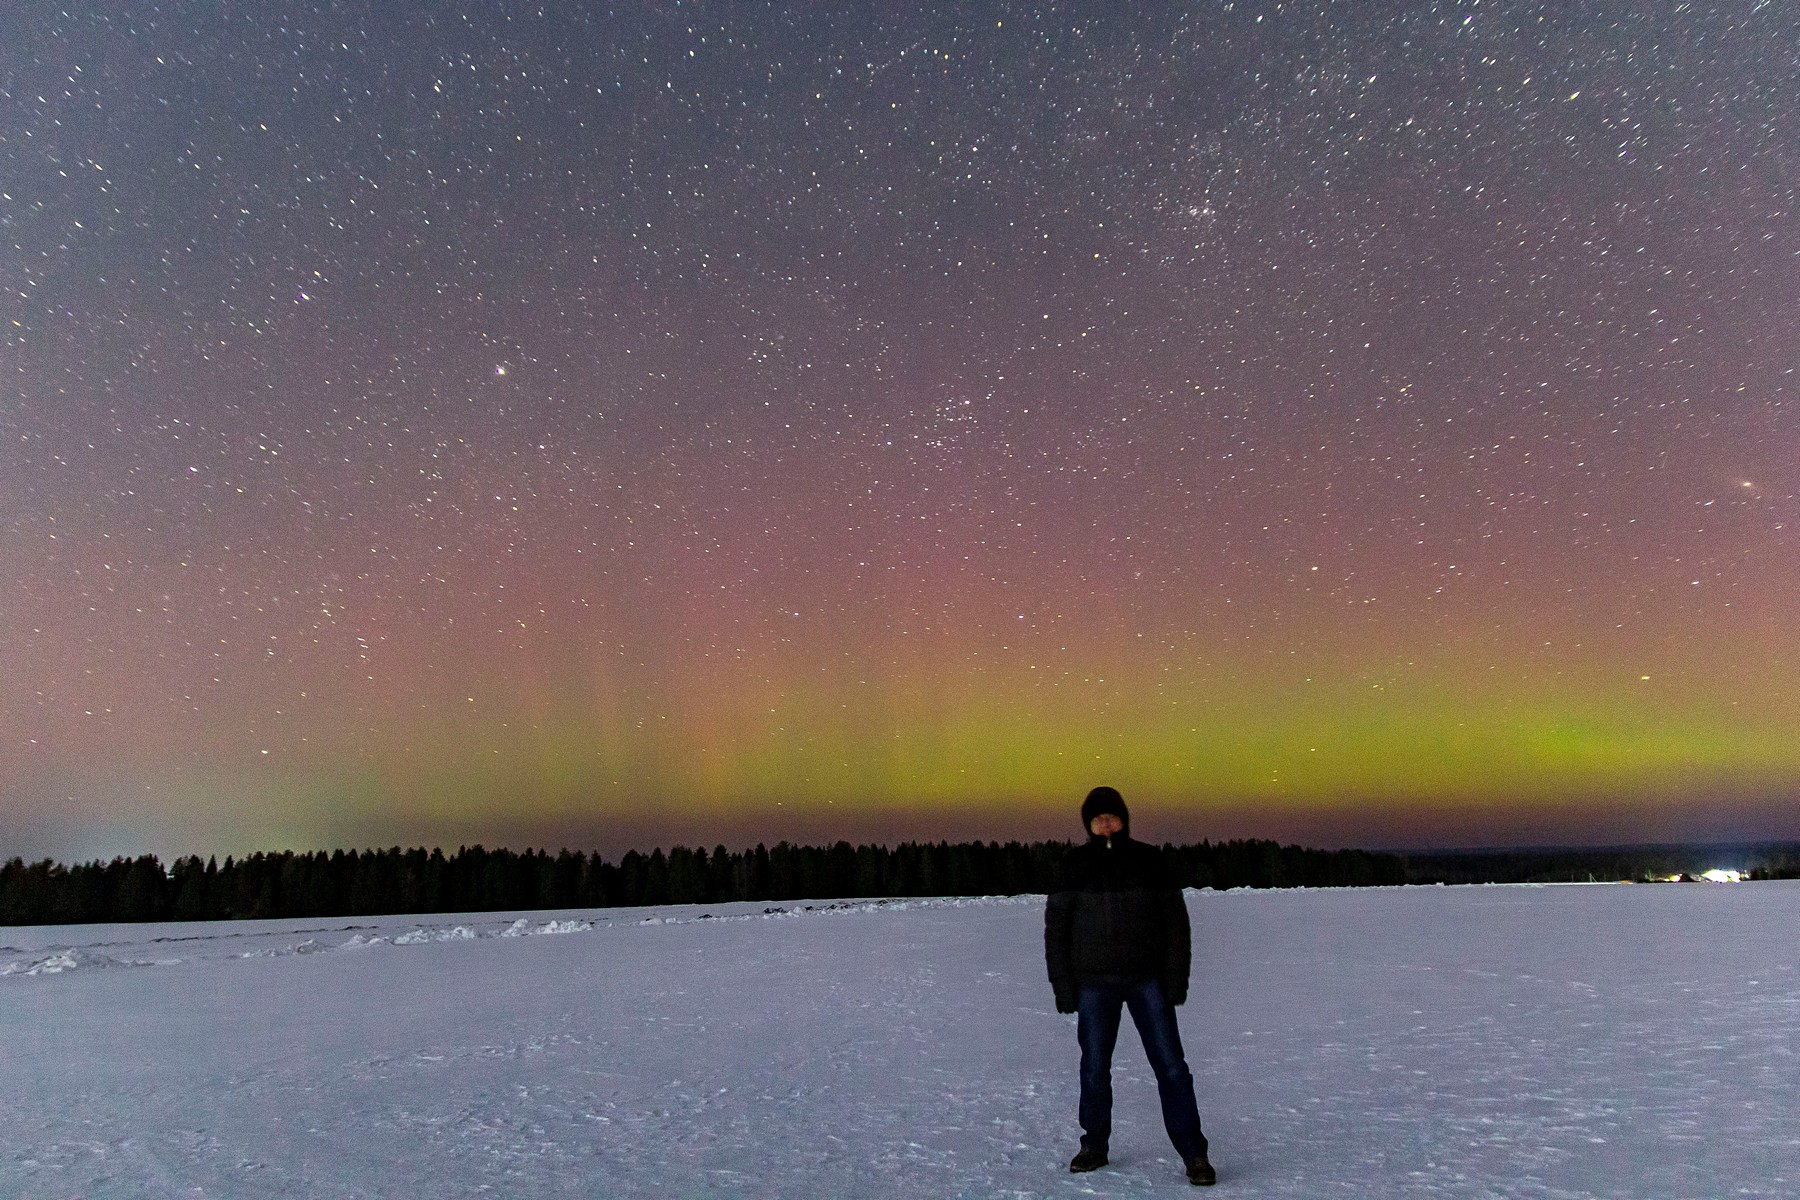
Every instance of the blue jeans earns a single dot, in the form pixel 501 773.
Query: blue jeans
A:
pixel 1097 1026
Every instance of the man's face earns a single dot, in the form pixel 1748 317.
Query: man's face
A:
pixel 1105 825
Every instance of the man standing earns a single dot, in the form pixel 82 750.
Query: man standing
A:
pixel 1116 936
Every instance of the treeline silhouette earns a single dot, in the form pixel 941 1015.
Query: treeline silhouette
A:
pixel 1759 860
pixel 474 879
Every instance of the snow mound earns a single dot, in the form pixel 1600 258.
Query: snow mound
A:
pixel 522 928
pixel 309 946
pixel 420 937
pixel 58 962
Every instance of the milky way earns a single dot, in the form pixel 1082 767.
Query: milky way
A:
pixel 1369 423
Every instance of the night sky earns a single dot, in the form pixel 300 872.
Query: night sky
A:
pixel 1351 423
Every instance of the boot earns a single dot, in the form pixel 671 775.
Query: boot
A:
pixel 1089 1158
pixel 1200 1172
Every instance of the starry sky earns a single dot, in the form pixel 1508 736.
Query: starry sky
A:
pixel 620 425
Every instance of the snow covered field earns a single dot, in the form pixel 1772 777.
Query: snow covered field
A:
pixel 1502 1041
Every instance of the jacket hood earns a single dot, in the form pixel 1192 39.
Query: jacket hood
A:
pixel 1104 800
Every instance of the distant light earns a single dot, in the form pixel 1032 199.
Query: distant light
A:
pixel 1721 875
pixel 500 370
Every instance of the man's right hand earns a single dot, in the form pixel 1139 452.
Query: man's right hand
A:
pixel 1065 1002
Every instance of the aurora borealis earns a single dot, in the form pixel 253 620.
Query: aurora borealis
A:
pixel 542 424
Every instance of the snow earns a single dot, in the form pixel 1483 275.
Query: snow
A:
pixel 1556 1042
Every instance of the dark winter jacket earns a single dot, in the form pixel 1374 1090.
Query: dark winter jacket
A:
pixel 1117 914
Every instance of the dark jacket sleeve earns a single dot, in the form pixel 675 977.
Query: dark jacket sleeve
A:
pixel 1059 915
pixel 1178 946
